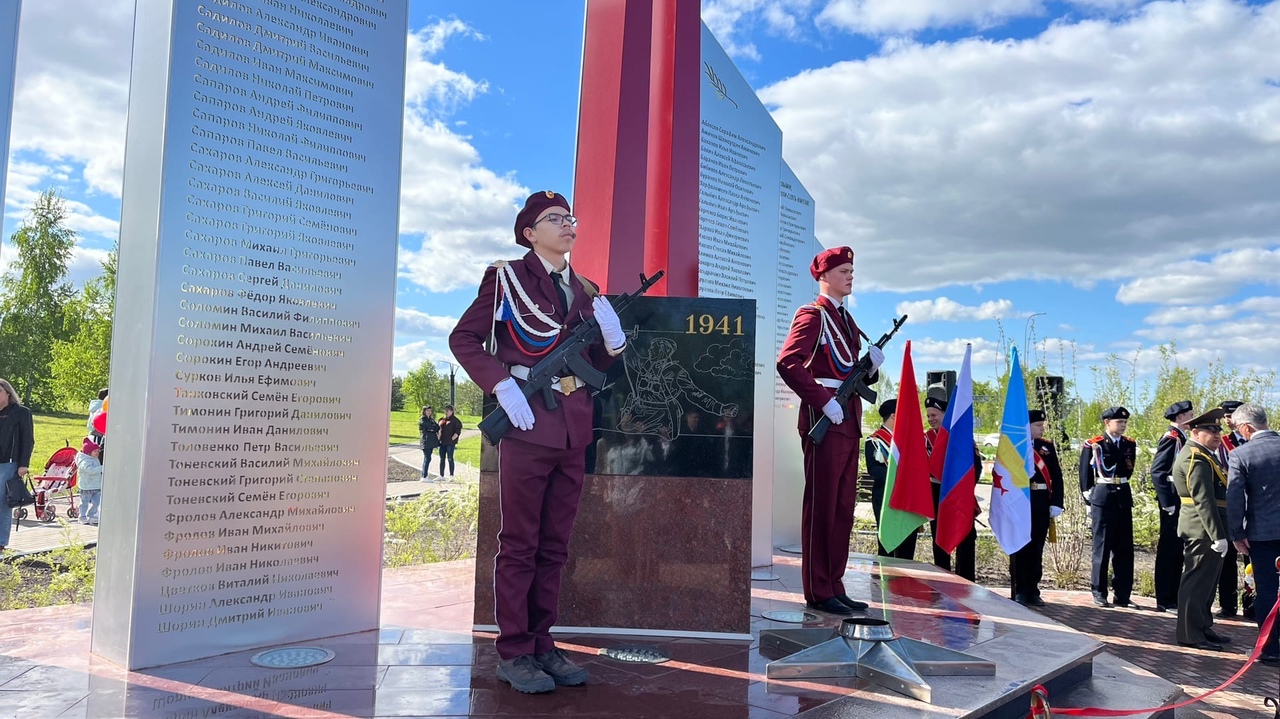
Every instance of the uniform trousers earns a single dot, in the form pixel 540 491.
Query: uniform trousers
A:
pixel 1195 593
pixel 966 551
pixel 826 519
pixel 1266 583
pixel 1112 541
pixel 1169 553
pixel 538 489
pixel 906 550
pixel 1229 581
pixel 1026 566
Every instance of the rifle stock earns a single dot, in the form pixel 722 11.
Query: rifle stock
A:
pixel 564 361
pixel 855 383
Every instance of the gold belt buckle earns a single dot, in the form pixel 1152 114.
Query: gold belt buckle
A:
pixel 568 385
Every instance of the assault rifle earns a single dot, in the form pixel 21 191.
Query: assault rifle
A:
pixel 855 383
pixel 562 364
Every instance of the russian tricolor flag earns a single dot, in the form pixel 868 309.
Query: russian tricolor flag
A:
pixel 956 500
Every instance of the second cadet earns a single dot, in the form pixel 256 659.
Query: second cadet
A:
pixel 876 453
pixel 1169 549
pixel 1106 464
pixel 1026 566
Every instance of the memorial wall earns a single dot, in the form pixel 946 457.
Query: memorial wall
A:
pixel 250 378
pixel 755 240
pixel 10 11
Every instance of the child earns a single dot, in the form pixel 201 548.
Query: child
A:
pixel 89 479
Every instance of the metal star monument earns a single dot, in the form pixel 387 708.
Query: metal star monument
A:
pixel 868 649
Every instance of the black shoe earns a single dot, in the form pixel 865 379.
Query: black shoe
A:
pixel 524 675
pixel 1161 609
pixel 1206 645
pixel 1227 613
pixel 830 606
pixel 562 671
pixel 1126 604
pixel 853 604
pixel 1215 637
pixel 1270 660
pixel 1036 601
pixel 1022 599
pixel 1100 601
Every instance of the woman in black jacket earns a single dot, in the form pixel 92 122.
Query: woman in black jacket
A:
pixel 17 440
pixel 429 430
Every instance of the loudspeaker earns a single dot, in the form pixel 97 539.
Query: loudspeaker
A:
pixel 1049 386
pixel 940 383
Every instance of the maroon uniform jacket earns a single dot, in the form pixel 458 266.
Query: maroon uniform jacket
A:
pixel 805 358
pixel 567 426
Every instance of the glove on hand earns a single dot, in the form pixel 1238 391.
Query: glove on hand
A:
pixel 1054 512
pixel 1169 510
pixel 877 357
pixel 1220 547
pixel 610 327
pixel 515 404
pixel 833 411
pixel 1085 495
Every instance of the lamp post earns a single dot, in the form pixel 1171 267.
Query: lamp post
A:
pixel 1026 331
pixel 453 383
pixel 1133 377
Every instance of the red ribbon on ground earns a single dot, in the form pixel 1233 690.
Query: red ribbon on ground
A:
pixel 1040 696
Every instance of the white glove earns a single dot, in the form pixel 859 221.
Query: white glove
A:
pixel 1086 497
pixel 1220 547
pixel 1054 512
pixel 877 357
pixel 1170 510
pixel 513 401
pixel 833 411
pixel 610 327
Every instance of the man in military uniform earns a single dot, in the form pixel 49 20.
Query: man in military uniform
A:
pixel 1026 566
pixel 966 564
pixel 1229 578
pixel 1106 464
pixel 819 353
pixel 1169 549
pixel 876 453
pixel 1202 491
pixel 522 310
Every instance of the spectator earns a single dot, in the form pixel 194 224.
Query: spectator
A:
pixel 95 406
pixel 17 440
pixel 450 431
pixel 429 431
pixel 89 480
pixel 1253 524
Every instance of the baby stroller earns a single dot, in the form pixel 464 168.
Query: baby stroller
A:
pixel 54 485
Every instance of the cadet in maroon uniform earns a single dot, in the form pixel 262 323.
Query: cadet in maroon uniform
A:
pixel 820 352
pixel 518 316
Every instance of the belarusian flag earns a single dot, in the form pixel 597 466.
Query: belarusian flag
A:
pixel 908 498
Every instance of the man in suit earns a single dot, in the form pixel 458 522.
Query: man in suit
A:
pixel 876 453
pixel 1201 484
pixel 819 353
pixel 1229 579
pixel 1106 464
pixel 1169 548
pixel 521 312
pixel 1253 519
pixel 1026 566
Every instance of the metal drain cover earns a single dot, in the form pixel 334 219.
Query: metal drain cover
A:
pixel 763 575
pixel 636 655
pixel 291 657
pixel 790 617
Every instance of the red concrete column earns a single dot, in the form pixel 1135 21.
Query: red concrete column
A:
pixel 609 178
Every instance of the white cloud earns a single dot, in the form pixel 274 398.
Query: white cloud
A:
pixel 943 309
pixel 878 17
pixel 1195 281
pixel 462 210
pixel 931 354
pixel 732 21
pixel 410 355
pixel 414 323
pixel 1214 313
pixel 1077 154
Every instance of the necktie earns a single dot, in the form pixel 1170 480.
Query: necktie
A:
pixel 848 321
pixel 564 299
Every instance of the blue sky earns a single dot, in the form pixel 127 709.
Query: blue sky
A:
pixel 1112 164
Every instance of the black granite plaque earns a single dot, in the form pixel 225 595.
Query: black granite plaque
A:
pixel 680 400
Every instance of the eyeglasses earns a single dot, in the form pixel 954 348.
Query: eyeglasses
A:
pixel 559 220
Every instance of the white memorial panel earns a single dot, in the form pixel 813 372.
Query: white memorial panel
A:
pixel 10 12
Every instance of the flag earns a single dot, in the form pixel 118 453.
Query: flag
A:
pixel 956 500
pixel 1011 477
pixel 908 499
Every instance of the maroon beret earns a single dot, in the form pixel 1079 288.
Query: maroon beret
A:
pixel 829 259
pixel 534 206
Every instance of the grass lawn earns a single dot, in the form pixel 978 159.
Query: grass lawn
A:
pixel 404 430
pixel 53 431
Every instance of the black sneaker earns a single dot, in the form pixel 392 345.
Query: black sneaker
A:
pixel 853 604
pixel 1215 637
pixel 562 671
pixel 830 606
pixel 1037 601
pixel 1227 613
pixel 524 675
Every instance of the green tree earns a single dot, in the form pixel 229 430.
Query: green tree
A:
pixel 81 365
pixel 470 398
pixel 425 386
pixel 33 297
pixel 397 394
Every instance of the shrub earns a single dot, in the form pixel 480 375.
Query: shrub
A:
pixel 435 527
